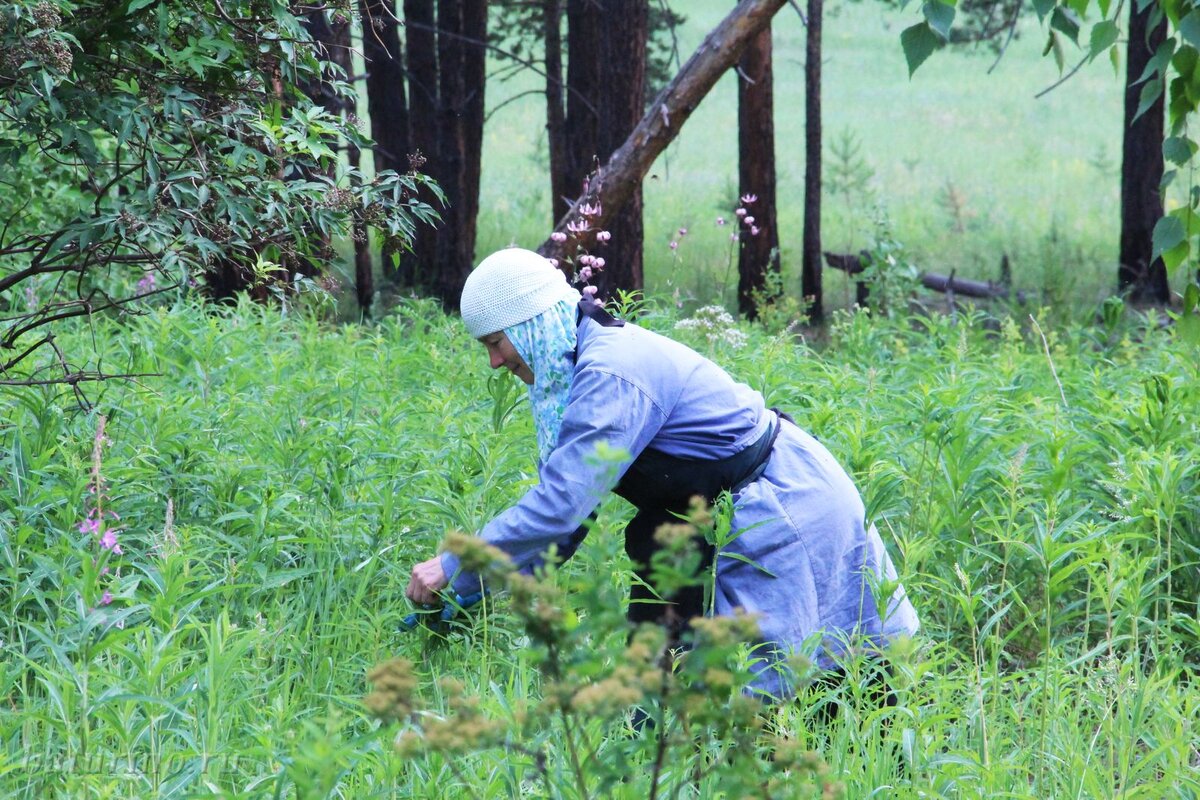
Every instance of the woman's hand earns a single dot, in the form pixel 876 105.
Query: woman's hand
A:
pixel 427 579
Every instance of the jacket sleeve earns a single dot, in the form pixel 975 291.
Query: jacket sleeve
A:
pixel 607 423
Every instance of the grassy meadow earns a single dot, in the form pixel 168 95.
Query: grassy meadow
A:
pixel 270 491
pixel 966 165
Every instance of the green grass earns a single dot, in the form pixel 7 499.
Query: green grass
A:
pixel 1040 500
pixel 1036 179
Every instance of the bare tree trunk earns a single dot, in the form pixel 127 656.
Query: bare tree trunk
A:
pixel 667 114
pixel 462 31
pixel 556 120
pixel 584 24
pixel 810 275
pixel 758 248
pixel 388 109
pixel 420 34
pixel 1144 280
pixel 622 102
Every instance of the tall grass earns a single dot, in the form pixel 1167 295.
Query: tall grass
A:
pixel 279 480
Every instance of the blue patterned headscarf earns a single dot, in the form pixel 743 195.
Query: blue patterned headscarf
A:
pixel 547 343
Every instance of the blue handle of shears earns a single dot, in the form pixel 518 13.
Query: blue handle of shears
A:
pixel 447 612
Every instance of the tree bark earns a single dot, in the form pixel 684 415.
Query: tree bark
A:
pixel 385 85
pixel 1143 279
pixel 758 253
pixel 810 270
pixel 556 119
pixel 622 101
pixel 417 270
pixel 623 172
pixel 582 130
pixel 462 32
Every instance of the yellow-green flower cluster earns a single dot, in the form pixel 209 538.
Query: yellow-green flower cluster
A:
pixel 464 728
pixel 477 556
pixel 726 630
pixel 392 697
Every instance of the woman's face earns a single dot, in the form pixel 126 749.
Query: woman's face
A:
pixel 501 353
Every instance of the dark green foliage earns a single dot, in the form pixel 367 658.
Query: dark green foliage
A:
pixel 162 144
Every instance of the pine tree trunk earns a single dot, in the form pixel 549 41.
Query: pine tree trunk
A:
pixel 810 277
pixel 418 269
pixel 622 101
pixel 387 104
pixel 462 31
pixel 556 120
pixel 758 253
pixel 1143 279
pixel 584 23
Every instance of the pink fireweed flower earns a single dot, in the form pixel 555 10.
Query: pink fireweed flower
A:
pixel 588 210
pixel 748 220
pixel 585 259
pixel 741 212
pixel 147 284
pixel 674 245
pixel 109 540
pixel 720 221
pixel 90 526
pixel 558 236
pixel 683 231
pixel 585 274
pixel 754 230
pixel 578 226
pixel 603 236
pixel 106 598
pixel 598 263
pixel 749 198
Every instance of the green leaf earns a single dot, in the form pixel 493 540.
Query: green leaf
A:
pixel 940 17
pixel 1150 94
pixel 138 5
pixel 1066 22
pixel 1189 28
pixel 1104 36
pixel 918 42
pixel 1189 316
pixel 1168 233
pixel 1056 47
pixel 1043 7
pixel 1177 255
pixel 1158 64
pixel 1178 149
pixel 1190 219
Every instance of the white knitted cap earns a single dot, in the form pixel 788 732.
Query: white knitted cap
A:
pixel 509 287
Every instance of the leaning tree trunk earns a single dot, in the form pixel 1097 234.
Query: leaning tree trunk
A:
pixel 417 270
pixel 386 102
pixel 758 247
pixel 810 270
pixel 622 101
pixel 663 120
pixel 462 33
pixel 1144 279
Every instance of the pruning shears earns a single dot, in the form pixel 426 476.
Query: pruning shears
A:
pixel 445 614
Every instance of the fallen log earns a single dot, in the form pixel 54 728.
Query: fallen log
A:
pixel 616 180
pixel 948 284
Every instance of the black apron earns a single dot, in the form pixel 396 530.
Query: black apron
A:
pixel 661 486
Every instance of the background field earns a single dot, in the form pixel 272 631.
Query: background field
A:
pixel 968 166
